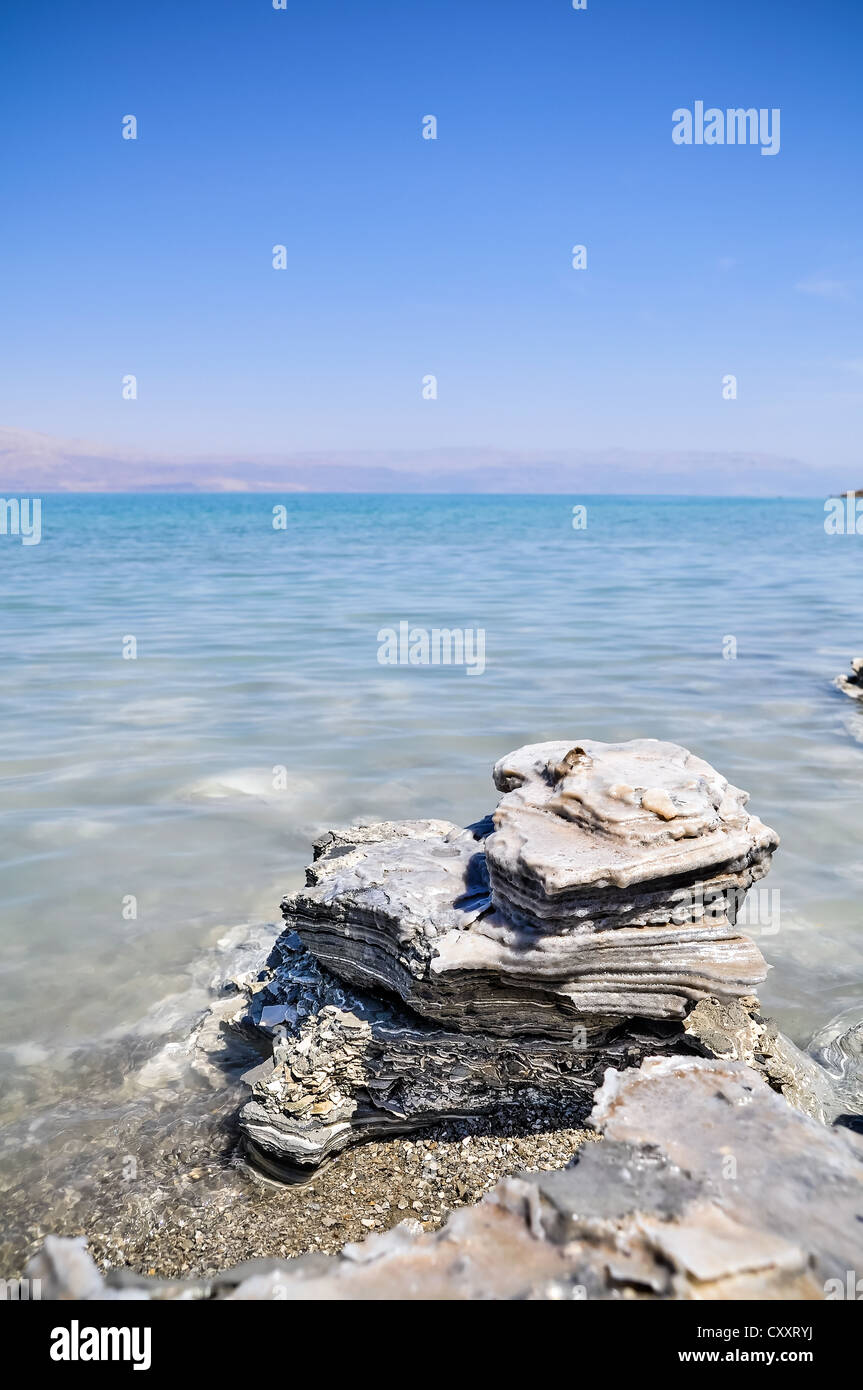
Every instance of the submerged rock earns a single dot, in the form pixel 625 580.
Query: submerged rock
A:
pixel 837 1049
pixel 852 684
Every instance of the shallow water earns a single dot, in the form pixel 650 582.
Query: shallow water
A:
pixel 257 649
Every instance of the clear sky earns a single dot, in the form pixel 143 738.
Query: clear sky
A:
pixel 409 256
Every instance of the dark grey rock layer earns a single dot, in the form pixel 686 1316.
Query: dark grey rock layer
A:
pixel 341 1065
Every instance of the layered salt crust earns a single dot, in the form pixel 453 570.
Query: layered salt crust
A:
pixel 427 970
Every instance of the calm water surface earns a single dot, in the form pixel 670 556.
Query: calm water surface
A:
pixel 152 779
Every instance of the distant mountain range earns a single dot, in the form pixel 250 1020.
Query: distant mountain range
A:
pixel 32 463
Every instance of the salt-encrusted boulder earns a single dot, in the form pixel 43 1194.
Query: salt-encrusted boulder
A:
pixel 341 1065
pixel 607 889
pixel 595 835
pixel 429 971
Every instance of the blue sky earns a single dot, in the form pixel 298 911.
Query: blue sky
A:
pixel 450 257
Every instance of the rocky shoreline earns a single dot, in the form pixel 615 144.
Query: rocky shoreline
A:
pixel 706 1184
pixel 450 1016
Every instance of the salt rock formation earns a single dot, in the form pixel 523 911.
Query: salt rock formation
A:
pixel 601 835
pixel 838 1051
pixel 341 1065
pixel 429 971
pixel 607 889
pixel 706 1185
pixel 853 684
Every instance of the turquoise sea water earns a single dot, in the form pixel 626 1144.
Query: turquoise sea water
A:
pixel 257 650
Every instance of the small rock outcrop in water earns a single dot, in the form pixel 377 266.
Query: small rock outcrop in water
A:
pixel 428 971
pixel 852 684
pixel 706 1185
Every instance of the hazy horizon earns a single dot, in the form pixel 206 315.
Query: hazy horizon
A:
pixel 38 463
